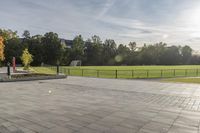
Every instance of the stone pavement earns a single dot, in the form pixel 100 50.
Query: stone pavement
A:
pixel 4 69
pixel 91 105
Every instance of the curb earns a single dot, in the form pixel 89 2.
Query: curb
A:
pixel 34 78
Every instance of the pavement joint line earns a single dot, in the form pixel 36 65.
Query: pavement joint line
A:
pixel 175 119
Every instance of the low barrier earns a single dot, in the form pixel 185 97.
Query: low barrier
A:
pixel 136 73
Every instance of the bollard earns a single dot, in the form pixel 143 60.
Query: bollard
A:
pixel 8 70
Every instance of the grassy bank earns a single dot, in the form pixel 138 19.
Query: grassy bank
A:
pixel 183 80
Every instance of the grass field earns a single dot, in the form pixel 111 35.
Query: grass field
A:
pixel 43 70
pixel 183 80
pixel 126 71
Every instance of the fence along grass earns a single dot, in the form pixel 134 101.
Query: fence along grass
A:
pixel 128 74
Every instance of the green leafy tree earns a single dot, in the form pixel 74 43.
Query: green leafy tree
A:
pixel 132 46
pixel 49 49
pixel 122 54
pixel 186 52
pixel 26 58
pixel 52 48
pixel 109 52
pixel 13 48
pixel 26 34
pixel 77 50
pixel 93 51
pixel 36 49
pixel 8 34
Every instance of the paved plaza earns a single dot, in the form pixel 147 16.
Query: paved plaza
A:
pixel 91 105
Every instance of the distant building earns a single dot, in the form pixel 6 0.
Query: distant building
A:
pixel 67 43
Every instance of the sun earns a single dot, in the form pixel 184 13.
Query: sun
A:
pixel 194 17
pixel 192 21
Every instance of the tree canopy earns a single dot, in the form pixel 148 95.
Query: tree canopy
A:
pixel 2 49
pixel 48 49
pixel 26 58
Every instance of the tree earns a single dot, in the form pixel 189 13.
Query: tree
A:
pixel 52 48
pixel 26 38
pixel 186 52
pixel 26 58
pixel 152 54
pixel 26 34
pixel 93 51
pixel 2 46
pixel 171 56
pixel 49 49
pixel 36 49
pixel 109 52
pixel 13 48
pixel 78 47
pixel 8 34
pixel 132 46
pixel 122 54
pixel 96 40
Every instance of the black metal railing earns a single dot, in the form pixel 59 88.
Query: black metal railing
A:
pixel 135 73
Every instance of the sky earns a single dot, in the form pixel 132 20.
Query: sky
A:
pixel 143 21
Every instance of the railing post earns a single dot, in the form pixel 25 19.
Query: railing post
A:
pixel 82 72
pixel 185 72
pixel 97 73
pixel 64 70
pixel 61 70
pixel 57 70
pixel 132 73
pixel 68 71
pixel 116 74
pixel 174 72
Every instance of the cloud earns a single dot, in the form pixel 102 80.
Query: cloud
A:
pixel 128 20
pixel 108 4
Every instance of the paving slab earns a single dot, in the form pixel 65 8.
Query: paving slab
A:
pixel 93 105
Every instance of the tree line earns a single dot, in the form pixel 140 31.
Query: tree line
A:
pixel 48 49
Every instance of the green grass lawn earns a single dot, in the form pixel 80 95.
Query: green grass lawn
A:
pixel 43 70
pixel 183 80
pixel 126 71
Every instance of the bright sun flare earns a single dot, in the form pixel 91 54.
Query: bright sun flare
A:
pixel 193 21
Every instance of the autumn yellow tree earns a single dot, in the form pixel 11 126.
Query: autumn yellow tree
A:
pixel 2 46
pixel 26 58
